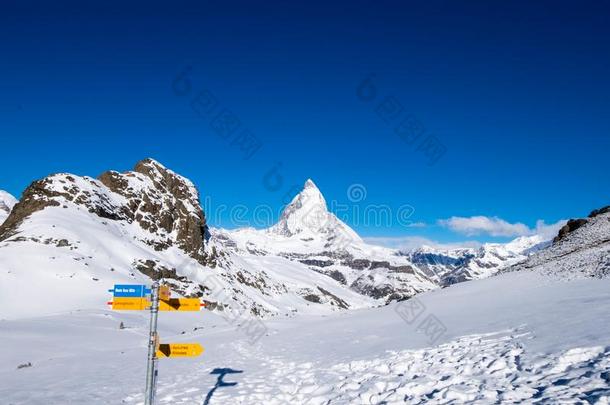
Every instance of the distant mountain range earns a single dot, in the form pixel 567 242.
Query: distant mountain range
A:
pixel 69 238
pixel 452 266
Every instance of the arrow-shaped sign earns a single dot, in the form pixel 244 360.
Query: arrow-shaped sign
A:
pixel 130 290
pixel 180 304
pixel 129 304
pixel 179 350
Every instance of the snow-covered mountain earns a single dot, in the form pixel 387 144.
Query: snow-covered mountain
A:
pixel 451 266
pixel 308 235
pixel 7 202
pixel 307 217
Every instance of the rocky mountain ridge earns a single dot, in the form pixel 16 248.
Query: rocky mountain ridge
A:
pixel 163 203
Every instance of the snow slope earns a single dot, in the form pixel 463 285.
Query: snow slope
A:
pixel 96 254
pixel 519 337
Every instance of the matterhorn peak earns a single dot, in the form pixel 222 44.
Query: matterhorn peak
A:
pixel 310 184
pixel 307 215
pixel 310 195
pixel 306 212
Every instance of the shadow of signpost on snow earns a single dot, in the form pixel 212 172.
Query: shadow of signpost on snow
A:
pixel 222 372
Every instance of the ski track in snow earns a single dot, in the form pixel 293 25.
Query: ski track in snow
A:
pixel 483 369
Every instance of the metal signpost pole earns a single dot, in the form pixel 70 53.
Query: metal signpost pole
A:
pixel 133 297
pixel 151 369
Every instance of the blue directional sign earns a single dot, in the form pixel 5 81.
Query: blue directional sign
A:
pixel 130 290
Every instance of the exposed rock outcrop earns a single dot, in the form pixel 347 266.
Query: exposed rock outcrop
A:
pixel 164 204
pixel 571 226
pixel 599 211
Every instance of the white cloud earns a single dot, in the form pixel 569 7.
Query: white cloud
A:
pixel 549 231
pixel 494 226
pixel 406 243
pixel 481 225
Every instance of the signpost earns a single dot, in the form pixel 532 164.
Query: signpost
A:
pixel 151 366
pixel 128 297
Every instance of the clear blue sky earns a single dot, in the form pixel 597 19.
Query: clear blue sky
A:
pixel 518 93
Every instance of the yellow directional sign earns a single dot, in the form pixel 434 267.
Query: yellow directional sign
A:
pixel 180 304
pixel 179 350
pixel 130 304
pixel 140 304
